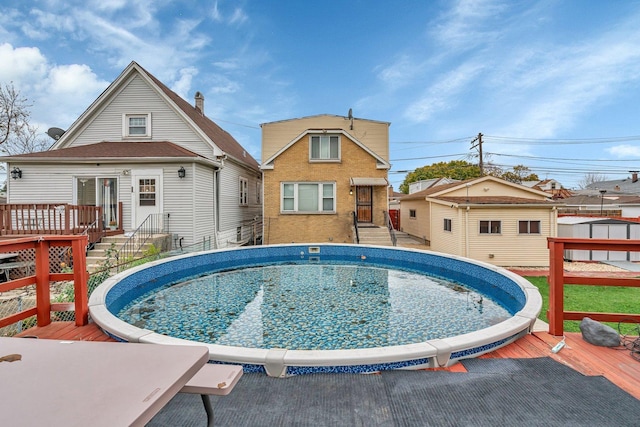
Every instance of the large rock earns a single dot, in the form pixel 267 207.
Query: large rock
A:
pixel 597 333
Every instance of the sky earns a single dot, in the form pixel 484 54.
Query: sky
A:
pixel 552 85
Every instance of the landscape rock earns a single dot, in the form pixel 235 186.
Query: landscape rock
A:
pixel 597 333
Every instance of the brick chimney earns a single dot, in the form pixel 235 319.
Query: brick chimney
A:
pixel 199 102
pixel 634 176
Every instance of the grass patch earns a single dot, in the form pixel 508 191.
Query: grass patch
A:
pixel 599 299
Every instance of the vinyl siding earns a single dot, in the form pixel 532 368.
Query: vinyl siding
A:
pixel 509 248
pixel 232 215
pixel 451 242
pixel 203 213
pixel 136 97
pixel 418 226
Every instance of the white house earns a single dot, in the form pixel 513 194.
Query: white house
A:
pixel 141 147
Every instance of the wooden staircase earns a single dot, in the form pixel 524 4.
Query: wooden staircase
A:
pixel 374 235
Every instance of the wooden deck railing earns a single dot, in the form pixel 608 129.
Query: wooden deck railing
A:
pixel 24 219
pixel 558 278
pixel 43 276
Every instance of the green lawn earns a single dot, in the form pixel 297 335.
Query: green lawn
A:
pixel 605 299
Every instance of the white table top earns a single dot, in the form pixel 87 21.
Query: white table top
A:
pixel 80 383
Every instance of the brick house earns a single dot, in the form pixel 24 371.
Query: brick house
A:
pixel 320 170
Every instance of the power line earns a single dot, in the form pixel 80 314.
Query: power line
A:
pixel 430 157
pixel 561 158
pixel 583 141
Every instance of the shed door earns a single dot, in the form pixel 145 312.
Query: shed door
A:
pixel 618 232
pixel 364 204
pixel 599 231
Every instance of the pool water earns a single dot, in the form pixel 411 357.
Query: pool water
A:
pixel 313 307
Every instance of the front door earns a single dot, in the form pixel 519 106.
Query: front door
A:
pixel 364 204
pixel 147 195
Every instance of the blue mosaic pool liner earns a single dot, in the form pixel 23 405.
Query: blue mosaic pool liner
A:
pixel 496 286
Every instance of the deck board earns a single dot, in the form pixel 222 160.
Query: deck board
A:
pixel 615 364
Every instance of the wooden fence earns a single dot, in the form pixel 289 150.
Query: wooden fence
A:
pixel 42 278
pixel 558 278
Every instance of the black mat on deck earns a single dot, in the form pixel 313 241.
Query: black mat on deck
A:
pixel 495 392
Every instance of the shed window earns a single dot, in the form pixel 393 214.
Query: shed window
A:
pixel 529 227
pixel 447 224
pixel 490 227
pixel 412 213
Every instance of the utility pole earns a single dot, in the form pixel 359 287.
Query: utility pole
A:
pixel 478 139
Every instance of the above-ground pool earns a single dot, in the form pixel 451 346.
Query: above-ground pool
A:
pixel 293 309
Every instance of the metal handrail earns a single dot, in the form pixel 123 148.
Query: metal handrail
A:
pixel 392 231
pixel 355 226
pixel 153 224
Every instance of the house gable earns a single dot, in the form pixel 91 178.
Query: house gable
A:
pixel 369 133
pixel 169 117
pixel 380 163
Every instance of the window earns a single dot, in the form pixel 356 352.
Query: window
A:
pixel 136 125
pixel 529 227
pixel 325 147
pixel 258 191
pixel 412 213
pixel 147 191
pixel 490 227
pixel 243 195
pixel 308 197
pixel 447 224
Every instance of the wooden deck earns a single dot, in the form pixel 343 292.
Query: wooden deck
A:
pixel 617 365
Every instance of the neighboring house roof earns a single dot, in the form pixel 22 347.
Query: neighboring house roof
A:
pixel 381 163
pixel 591 200
pixel 626 185
pixel 495 200
pixel 324 115
pixel 422 194
pixel 114 150
pixel 572 220
pixel 430 183
pixel 440 193
pixel 209 130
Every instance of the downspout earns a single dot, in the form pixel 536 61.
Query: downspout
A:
pixel 216 201
pixel 466 223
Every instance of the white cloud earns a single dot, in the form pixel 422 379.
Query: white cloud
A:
pixel 58 94
pixel 238 17
pixel 183 85
pixel 467 23
pixel 401 72
pixel 65 93
pixel 624 150
pixel 223 84
pixel 24 66
pixel 73 80
pixel 444 93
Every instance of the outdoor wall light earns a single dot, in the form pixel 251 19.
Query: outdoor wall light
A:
pixel 182 172
pixel 351 191
pixel 16 173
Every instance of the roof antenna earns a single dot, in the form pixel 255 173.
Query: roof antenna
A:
pixel 351 118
